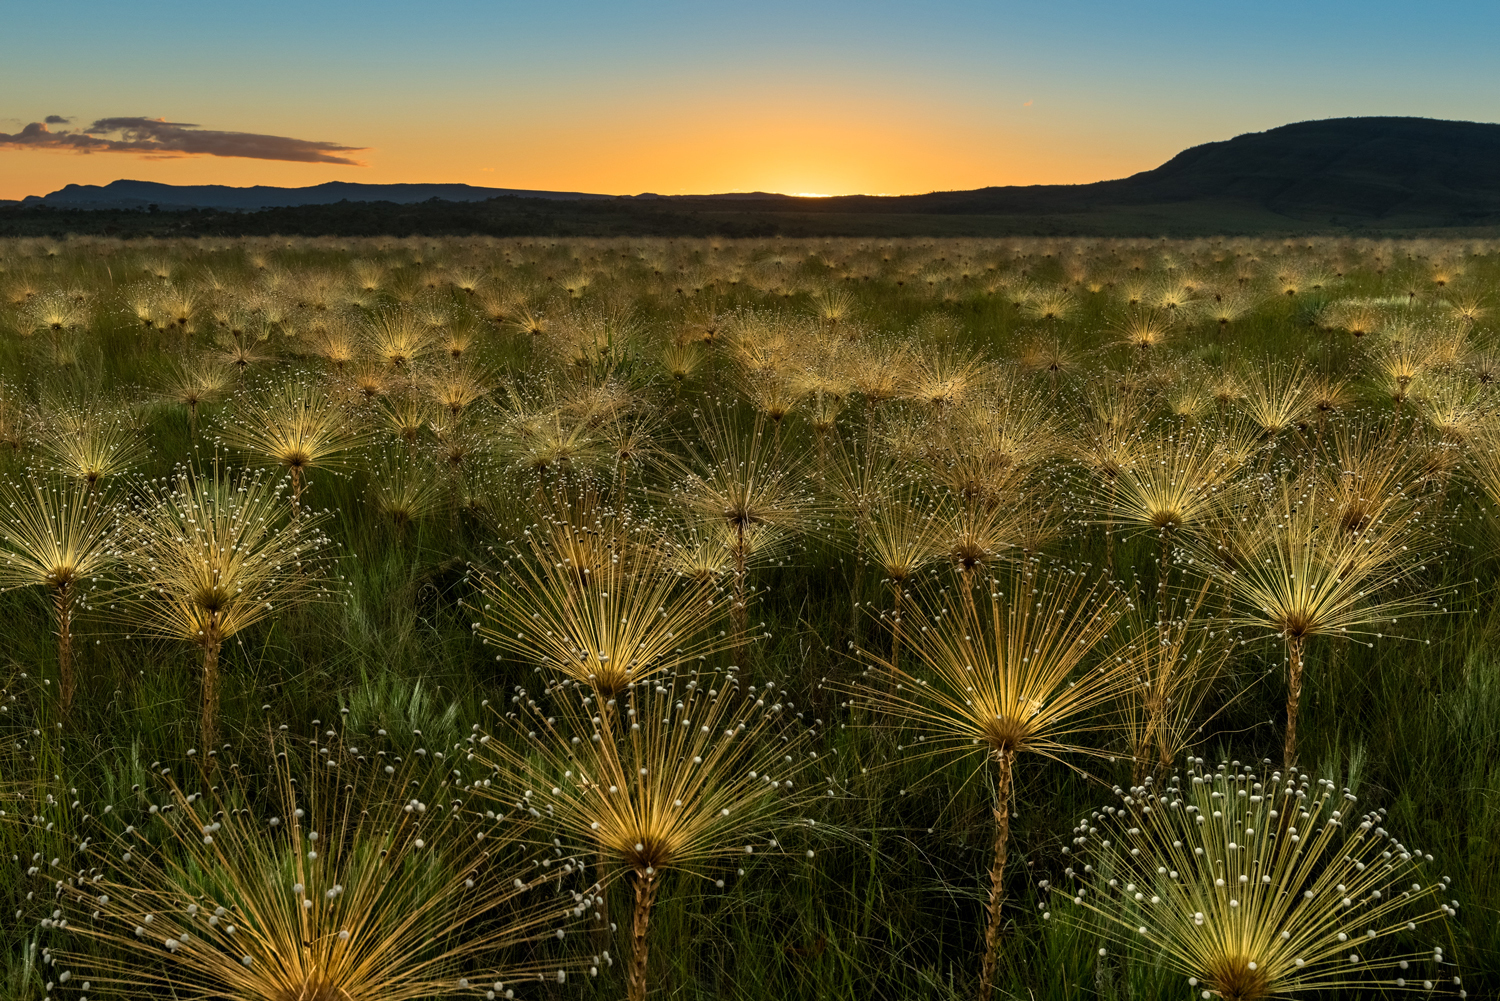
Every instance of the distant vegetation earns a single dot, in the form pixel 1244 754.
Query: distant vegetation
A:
pixel 577 618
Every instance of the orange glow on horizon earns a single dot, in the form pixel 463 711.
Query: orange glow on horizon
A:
pixel 740 149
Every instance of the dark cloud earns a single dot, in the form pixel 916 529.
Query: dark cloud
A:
pixel 155 137
pixel 56 120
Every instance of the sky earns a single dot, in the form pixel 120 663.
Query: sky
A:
pixel 696 97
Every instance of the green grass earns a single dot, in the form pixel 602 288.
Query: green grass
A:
pixel 891 906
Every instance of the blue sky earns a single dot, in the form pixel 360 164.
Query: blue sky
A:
pixel 693 97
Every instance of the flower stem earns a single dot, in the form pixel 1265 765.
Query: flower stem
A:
pixel 62 599
pixel 1293 698
pixel 209 724
pixel 1003 786
pixel 645 896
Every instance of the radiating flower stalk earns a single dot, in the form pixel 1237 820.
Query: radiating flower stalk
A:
pixel 1298 572
pixel 1175 653
pixel 602 600
pixel 298 427
pixel 209 555
pixel 398 338
pixel 1255 887
pixel 1174 482
pixel 343 871
pixel 406 491
pixel 698 768
pixel 748 481
pixel 595 597
pixel 900 541
pixel 62 537
pixel 542 438
pixel 194 383
pixel 91 445
pixel 1012 675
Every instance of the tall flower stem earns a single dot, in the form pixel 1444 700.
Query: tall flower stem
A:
pixel 646 887
pixel 1109 528
pixel 738 613
pixel 1294 646
pixel 1163 563
pixel 896 629
pixel 209 721
pixel 1003 786
pixel 62 601
pixel 296 493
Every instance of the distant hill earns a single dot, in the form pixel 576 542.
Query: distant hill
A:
pixel 1371 175
pixel 170 197
pixel 1399 171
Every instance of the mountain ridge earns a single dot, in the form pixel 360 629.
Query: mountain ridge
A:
pixel 130 194
pixel 1380 173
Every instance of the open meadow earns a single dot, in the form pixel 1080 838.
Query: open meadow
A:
pixel 391 619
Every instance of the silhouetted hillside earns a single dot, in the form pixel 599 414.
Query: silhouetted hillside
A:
pixel 1399 172
pixel 179 197
pixel 1375 175
pixel 1378 168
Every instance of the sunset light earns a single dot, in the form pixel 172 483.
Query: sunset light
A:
pixel 673 501
pixel 697 102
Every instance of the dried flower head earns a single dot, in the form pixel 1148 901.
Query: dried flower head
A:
pixel 343 873
pixel 1258 888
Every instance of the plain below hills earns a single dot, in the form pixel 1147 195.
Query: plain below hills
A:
pixel 1344 175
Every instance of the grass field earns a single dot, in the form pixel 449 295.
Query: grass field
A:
pixel 774 216
pixel 631 616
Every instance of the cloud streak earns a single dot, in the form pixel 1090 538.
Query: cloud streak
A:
pixel 155 137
